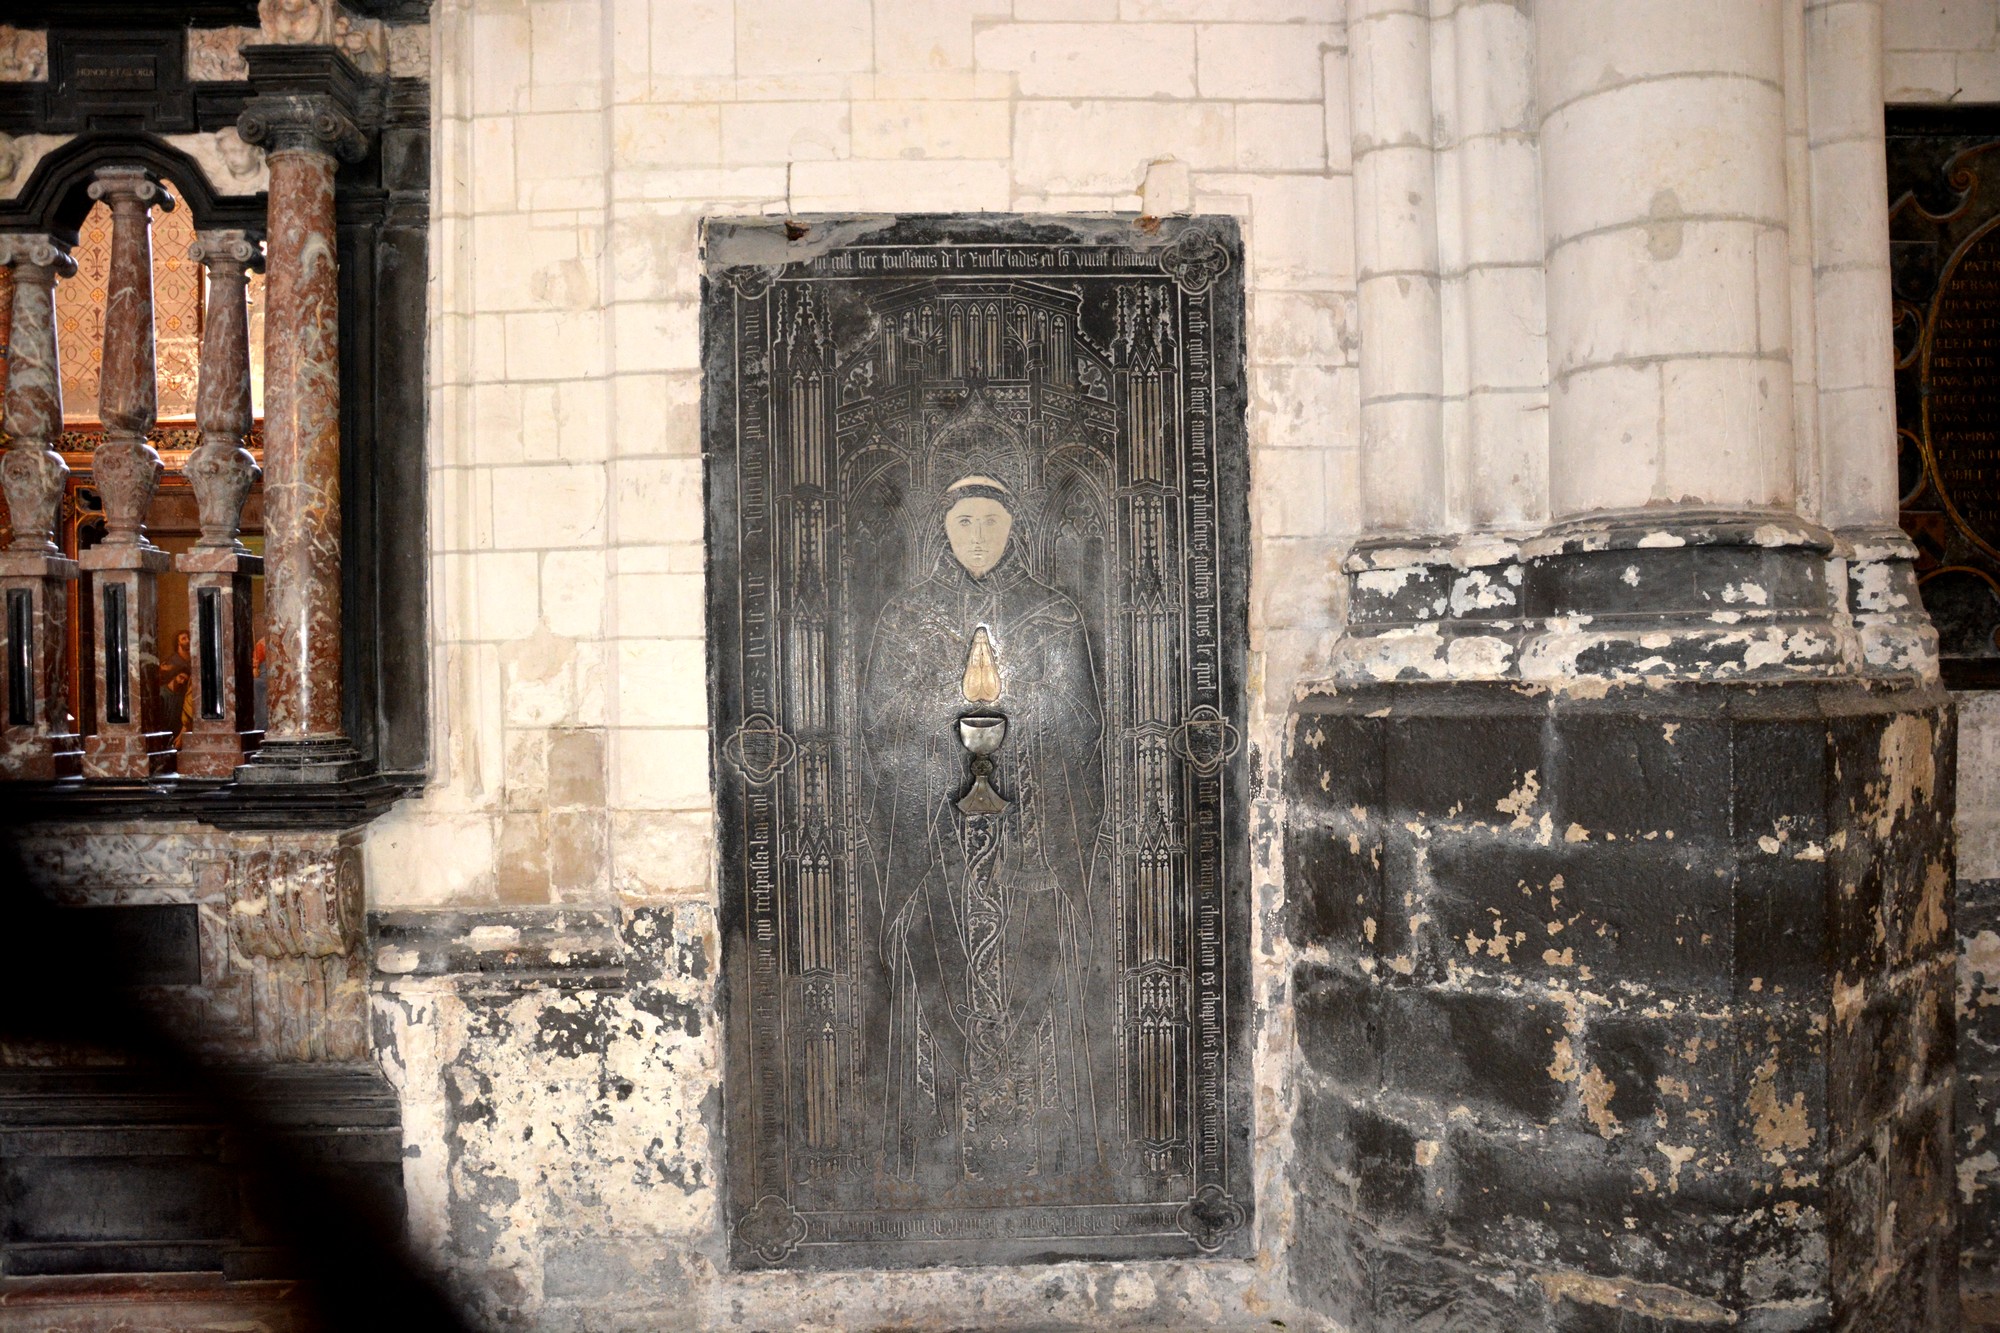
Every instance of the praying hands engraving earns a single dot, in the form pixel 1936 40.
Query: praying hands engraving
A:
pixel 993 942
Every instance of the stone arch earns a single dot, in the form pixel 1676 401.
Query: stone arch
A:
pixel 56 198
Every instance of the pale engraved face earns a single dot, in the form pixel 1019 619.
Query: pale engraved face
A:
pixel 978 528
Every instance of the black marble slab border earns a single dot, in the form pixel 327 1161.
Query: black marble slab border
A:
pixel 1206 1212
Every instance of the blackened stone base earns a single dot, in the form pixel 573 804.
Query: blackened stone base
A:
pixel 1624 1012
pixel 1979 1087
pixel 117 1171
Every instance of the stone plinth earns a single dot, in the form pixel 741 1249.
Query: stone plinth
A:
pixel 223 731
pixel 39 740
pixel 1629 998
pixel 132 739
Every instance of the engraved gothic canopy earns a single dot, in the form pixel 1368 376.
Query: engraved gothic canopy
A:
pixel 977 595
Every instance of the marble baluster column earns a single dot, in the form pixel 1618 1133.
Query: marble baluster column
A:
pixel 305 738
pixel 132 739
pixel 39 739
pixel 222 730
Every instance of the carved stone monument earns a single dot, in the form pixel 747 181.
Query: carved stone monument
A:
pixel 977 603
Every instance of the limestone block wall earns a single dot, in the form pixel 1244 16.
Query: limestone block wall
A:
pixel 563 1121
pixel 1941 50
pixel 545 912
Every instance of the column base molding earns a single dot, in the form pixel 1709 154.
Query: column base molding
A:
pixel 1682 594
pixel 144 557
pixel 36 565
pixel 129 754
pixel 28 755
pixel 216 754
pixel 1896 632
pixel 303 762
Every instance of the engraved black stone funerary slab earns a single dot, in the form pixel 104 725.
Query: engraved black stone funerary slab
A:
pixel 977 553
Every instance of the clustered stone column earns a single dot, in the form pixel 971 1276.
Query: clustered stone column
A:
pixel 39 740
pixel 1403 482
pixel 222 731
pixel 132 739
pixel 305 738
pixel 1639 1006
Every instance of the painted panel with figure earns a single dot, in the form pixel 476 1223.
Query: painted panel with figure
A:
pixel 977 542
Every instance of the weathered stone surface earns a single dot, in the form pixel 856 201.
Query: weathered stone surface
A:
pixel 978 552
pixel 1638 1005
pixel 560 1075
pixel 282 980
pixel 1978 1124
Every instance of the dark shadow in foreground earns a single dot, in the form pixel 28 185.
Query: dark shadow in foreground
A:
pixel 135 1173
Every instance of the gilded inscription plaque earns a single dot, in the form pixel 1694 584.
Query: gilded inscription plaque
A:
pixel 1961 369
pixel 977 589
pixel 1944 227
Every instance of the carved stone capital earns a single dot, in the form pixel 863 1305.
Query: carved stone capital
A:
pixel 302 123
pixel 230 251
pixel 27 249
pixel 130 186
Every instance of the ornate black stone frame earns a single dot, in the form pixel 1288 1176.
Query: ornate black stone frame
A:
pixel 383 215
pixel 748 263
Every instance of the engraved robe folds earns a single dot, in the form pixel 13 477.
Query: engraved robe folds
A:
pixel 1001 1063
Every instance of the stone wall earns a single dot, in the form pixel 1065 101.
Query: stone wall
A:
pixel 563 1128
pixel 544 915
pixel 584 140
pixel 1941 51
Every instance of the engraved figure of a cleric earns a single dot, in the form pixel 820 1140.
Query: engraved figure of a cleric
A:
pixel 990 932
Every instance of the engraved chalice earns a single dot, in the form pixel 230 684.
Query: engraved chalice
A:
pixel 981 734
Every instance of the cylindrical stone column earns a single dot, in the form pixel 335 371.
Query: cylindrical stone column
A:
pixel 132 740
pixel 1496 262
pixel 221 730
pixel 1664 211
pixel 39 739
pixel 1856 350
pixel 305 738
pixel 1403 473
pixel 1856 475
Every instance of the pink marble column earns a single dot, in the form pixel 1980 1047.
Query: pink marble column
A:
pixel 39 739
pixel 305 738
pixel 222 731
pixel 132 739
